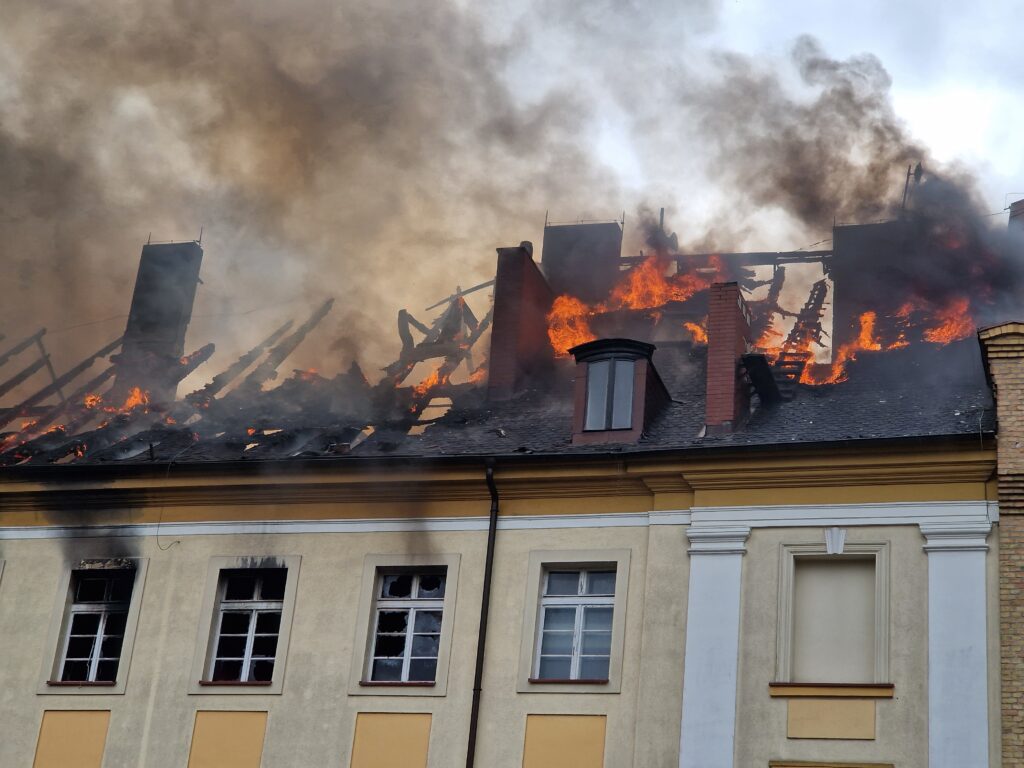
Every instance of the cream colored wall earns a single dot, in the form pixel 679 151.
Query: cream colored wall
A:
pixel 902 722
pixel 313 721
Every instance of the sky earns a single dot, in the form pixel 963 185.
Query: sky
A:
pixel 378 152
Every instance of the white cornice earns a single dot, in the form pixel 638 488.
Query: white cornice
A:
pixel 718 539
pixel 956 537
pixel 839 515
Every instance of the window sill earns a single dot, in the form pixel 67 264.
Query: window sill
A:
pixel 559 681
pixel 396 684
pixel 832 690
pixel 238 683
pixel 81 683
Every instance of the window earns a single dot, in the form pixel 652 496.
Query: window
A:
pixel 575 637
pixel 97 616
pixel 407 627
pixel 248 624
pixel 834 615
pixel 609 395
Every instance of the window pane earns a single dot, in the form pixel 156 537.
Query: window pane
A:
pixel 428 621
pixel 597 395
pixel 236 623
pixel 264 646
pixel 115 623
pixel 422 669
pixel 559 618
pixel 563 583
pixel 556 642
pixel 425 645
pixel 397 585
pixel 262 671
pixel 121 587
pixel 392 621
pixel 91 590
pixel 85 623
pixel 268 622
pixel 386 670
pixel 231 647
pixel 554 667
pixel 389 645
pixel 432 586
pixel 111 648
pixel 227 670
pixel 622 407
pixel 597 618
pixel 75 671
pixel 106 671
pixel 80 647
pixel 600 583
pixel 240 587
pixel 596 643
pixel 594 668
pixel 274 580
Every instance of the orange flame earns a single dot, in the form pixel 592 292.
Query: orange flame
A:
pixel 835 372
pixel 429 383
pixel 954 323
pixel 92 401
pixel 699 333
pixel 568 324
pixel 136 398
pixel 478 375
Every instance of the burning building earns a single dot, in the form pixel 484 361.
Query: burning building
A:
pixel 723 531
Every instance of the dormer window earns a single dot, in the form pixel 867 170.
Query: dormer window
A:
pixel 609 394
pixel 618 391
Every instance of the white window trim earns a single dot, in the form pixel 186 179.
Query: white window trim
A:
pixel 253 608
pixel 210 619
pixel 366 622
pixel 413 605
pixel 56 637
pixel 578 601
pixel 784 645
pixel 542 561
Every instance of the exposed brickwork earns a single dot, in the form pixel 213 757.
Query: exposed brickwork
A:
pixel 728 393
pixel 1004 356
pixel 519 334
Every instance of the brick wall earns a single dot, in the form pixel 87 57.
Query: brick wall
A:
pixel 1004 358
pixel 727 396
pixel 519 335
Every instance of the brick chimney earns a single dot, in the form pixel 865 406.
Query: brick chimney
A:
pixel 520 350
pixel 1003 347
pixel 727 399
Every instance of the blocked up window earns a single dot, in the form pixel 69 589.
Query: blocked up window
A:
pixel 833 620
pixel 609 395
pixel 407 627
pixel 95 625
pixel 575 629
pixel 247 624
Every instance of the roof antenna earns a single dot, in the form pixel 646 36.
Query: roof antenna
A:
pixel 200 240
pixel 149 239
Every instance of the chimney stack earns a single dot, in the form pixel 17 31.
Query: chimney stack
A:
pixel 520 349
pixel 727 400
pixel 1017 217
pixel 154 339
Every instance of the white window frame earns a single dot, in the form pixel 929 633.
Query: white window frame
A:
pixel 412 605
pixel 608 419
pixel 254 608
pixel 580 601
pixel 209 624
pixel 374 565
pixel 540 563
pixel 104 609
pixel 50 682
pixel 856 551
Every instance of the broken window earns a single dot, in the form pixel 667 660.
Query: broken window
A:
pixel 574 640
pixel 95 624
pixel 407 627
pixel 247 624
pixel 609 395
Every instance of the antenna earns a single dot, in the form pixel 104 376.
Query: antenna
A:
pixel 200 240
pixel 149 239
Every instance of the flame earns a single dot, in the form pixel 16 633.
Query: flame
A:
pixel 954 323
pixel 835 372
pixel 478 375
pixel 699 333
pixel 433 380
pixel 136 397
pixel 308 375
pixel 250 431
pixel 92 401
pixel 569 324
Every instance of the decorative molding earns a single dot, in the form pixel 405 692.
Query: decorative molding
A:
pixel 718 540
pixel 835 538
pixel 831 690
pixel 847 515
pixel 956 536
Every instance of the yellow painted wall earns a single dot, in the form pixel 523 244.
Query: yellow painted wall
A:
pixel 391 740
pixel 72 739
pixel 228 740
pixel 564 741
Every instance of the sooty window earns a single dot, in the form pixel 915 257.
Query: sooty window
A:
pixel 96 620
pixel 609 394
pixel 574 640
pixel 408 615
pixel 247 625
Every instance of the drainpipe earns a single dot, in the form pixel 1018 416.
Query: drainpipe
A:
pixel 485 604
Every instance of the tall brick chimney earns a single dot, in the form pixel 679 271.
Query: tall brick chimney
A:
pixel 1003 347
pixel 727 398
pixel 520 350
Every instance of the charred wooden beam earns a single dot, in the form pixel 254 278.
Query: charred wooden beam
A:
pixel 21 346
pixel 223 379
pixel 21 375
pixel 268 368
